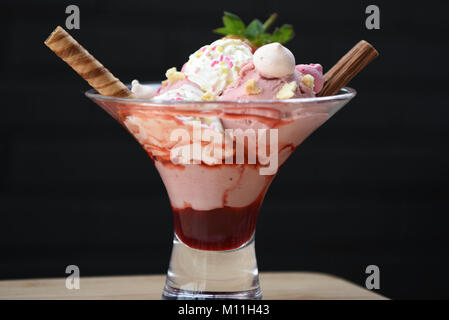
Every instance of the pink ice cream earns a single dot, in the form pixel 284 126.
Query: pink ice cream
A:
pixel 272 75
pixel 178 87
pixel 268 87
pixel 207 73
pixel 316 71
pixel 227 70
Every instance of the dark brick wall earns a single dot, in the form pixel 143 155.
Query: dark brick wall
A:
pixel 369 187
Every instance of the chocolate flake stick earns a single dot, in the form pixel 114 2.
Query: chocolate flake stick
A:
pixel 69 50
pixel 347 68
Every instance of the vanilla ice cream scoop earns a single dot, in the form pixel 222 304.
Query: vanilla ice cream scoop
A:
pixel 274 61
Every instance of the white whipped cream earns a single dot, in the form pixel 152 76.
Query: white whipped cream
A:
pixel 217 65
pixel 274 61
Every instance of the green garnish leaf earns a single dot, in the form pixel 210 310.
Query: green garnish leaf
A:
pixel 256 31
pixel 283 34
pixel 233 24
pixel 263 39
pixel 221 31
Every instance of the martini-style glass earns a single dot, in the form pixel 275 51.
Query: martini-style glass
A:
pixel 217 160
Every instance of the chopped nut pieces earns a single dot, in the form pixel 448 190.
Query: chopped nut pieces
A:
pixel 251 87
pixel 173 75
pixel 308 80
pixel 287 91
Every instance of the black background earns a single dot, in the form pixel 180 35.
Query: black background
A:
pixel 369 187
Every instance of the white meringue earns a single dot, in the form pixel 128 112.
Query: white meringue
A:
pixel 142 91
pixel 274 61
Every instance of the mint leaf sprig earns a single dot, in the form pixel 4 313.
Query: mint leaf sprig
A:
pixel 256 31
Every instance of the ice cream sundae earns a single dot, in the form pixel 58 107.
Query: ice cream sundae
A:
pixel 218 129
pixel 215 206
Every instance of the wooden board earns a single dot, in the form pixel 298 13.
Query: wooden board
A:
pixel 275 285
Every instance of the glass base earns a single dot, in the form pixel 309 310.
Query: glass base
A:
pixel 202 274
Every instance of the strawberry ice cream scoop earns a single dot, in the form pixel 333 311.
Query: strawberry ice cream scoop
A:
pixel 316 71
pixel 272 75
pixel 177 87
pixel 251 85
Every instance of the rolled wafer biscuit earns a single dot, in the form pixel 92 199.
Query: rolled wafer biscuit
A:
pixel 100 78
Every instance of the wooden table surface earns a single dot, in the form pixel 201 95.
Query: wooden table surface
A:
pixel 275 285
